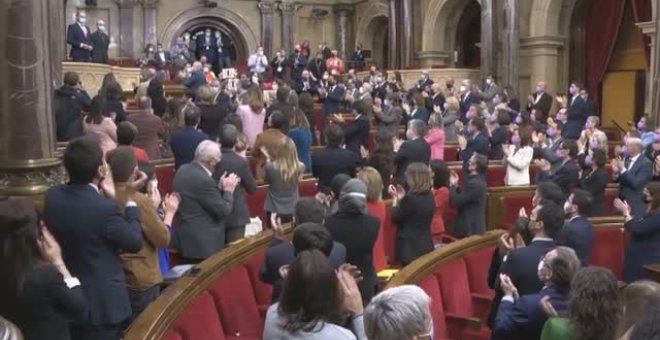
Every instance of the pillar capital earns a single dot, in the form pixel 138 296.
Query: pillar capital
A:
pixel 267 7
pixel 343 9
pixel 127 3
pixel 289 8
pixel 150 3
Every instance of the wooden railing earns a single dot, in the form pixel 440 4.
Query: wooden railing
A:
pixel 427 264
pixel 161 314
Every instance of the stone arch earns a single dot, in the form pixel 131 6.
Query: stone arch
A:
pixel 440 22
pixel 373 14
pixel 220 18
pixel 550 17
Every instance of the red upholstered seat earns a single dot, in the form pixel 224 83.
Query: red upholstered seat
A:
pixel 256 203
pixel 235 302
pixel 451 153
pixel 262 292
pixel 200 321
pixel 443 329
pixel 379 209
pixel 512 204
pixel 495 176
pixel 307 187
pixel 608 201
pixel 477 267
pixel 165 176
pixel 172 336
pixel 609 249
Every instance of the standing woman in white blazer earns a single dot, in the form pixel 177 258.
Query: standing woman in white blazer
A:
pixel 518 157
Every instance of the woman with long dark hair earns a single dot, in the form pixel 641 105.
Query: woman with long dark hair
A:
pixel 594 179
pixel 382 158
pixel 156 91
pixel 37 291
pixel 97 123
pixel 316 302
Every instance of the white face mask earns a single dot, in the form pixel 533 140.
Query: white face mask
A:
pixel 463 89
pixel 255 80
pixel 445 106
pixel 102 28
pixel 489 81
pixel 568 207
pixel 539 270
pixel 386 102
pixel 82 20
pixel 325 77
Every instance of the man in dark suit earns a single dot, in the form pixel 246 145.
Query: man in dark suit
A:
pixel 196 78
pixel 333 160
pixel 162 57
pixel 199 223
pixel 71 100
pixel 100 42
pixel 358 58
pixel 521 264
pixel 297 62
pixel 576 116
pixel 306 84
pixel 567 175
pixel 356 135
pixel 424 82
pixel 578 233
pixel 78 35
pixel 470 201
pixel 233 163
pixel 523 317
pixel 633 174
pixel 317 66
pixel 190 43
pixel 309 232
pixel 467 98
pixel 91 231
pixel 476 142
pixel 207 46
pixel 436 98
pixel 413 150
pixel 281 103
pixel 548 143
pixel 184 142
pixel 540 101
pixel 224 60
pixel 333 99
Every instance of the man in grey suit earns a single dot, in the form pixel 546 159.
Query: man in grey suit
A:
pixel 364 95
pixel 199 223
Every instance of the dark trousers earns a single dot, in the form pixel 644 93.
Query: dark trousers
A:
pixel 101 332
pixel 140 299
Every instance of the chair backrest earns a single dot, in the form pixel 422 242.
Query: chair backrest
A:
pixel 455 287
pixel 478 263
pixel 165 174
pixel 431 286
pixel 609 246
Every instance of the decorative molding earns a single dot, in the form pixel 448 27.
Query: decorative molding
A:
pixel 127 3
pixel 267 7
pixel 647 27
pixel 150 3
pixel 32 177
pixel 343 9
pixel 289 8
pixel 556 42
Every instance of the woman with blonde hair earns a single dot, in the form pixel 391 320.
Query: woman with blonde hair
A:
pixel 302 137
pixel 449 117
pixel 636 299
pixel 253 115
pixel 377 208
pixel 213 116
pixel 282 173
pixel 412 212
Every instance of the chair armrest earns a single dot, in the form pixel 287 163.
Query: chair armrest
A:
pixel 481 305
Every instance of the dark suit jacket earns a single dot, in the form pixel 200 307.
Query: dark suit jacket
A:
pixel 329 162
pixel 595 183
pixel 471 205
pixel 522 265
pixel 643 247
pixel 633 182
pixel 524 319
pixel 317 67
pixel 332 102
pixel 472 98
pixel 577 114
pixel 163 61
pixel 285 108
pixel 45 306
pixel 69 106
pixel 566 177
pixel 436 100
pixel 479 144
pixel 209 48
pixel 233 163
pixel 199 223
pixel 543 105
pixel 411 151
pixel 100 42
pixel 92 231
pixel 150 129
pixel 281 253
pixel 498 137
pixel 297 62
pixel 279 67
pixel 579 235
pixel 358 234
pixel 195 80
pixel 75 37
pixel 184 143
pixel 357 134
pixel 213 117
pixel 413 226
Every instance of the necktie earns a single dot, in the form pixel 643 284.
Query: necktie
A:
pixel 627 164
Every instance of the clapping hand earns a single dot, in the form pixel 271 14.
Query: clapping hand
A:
pixel 396 191
pixel 547 307
pixel 462 142
pixel 397 144
pixel 622 206
pixel 228 182
pixel 458 125
pixel 171 203
pixel 436 108
pixel 136 182
pixel 507 286
pixel 338 117
pixel 543 164
pixel 453 178
pixel 364 152
pixel 352 298
pixel 276 224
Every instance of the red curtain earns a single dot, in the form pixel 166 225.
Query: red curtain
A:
pixel 642 12
pixel 602 29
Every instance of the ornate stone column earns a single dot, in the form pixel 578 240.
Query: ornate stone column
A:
pixel 267 8
pixel 392 35
pixel 289 10
pixel 57 38
pixel 407 38
pixel 28 164
pixel 488 31
pixel 651 105
pixel 343 13
pixel 511 44
pixel 150 18
pixel 126 8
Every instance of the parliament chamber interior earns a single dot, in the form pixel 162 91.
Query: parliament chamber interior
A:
pixel 330 169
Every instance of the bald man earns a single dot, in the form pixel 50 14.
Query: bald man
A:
pixel 540 101
pixel 100 43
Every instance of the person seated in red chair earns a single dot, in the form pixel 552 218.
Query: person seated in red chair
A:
pixel 400 313
pixel 521 317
